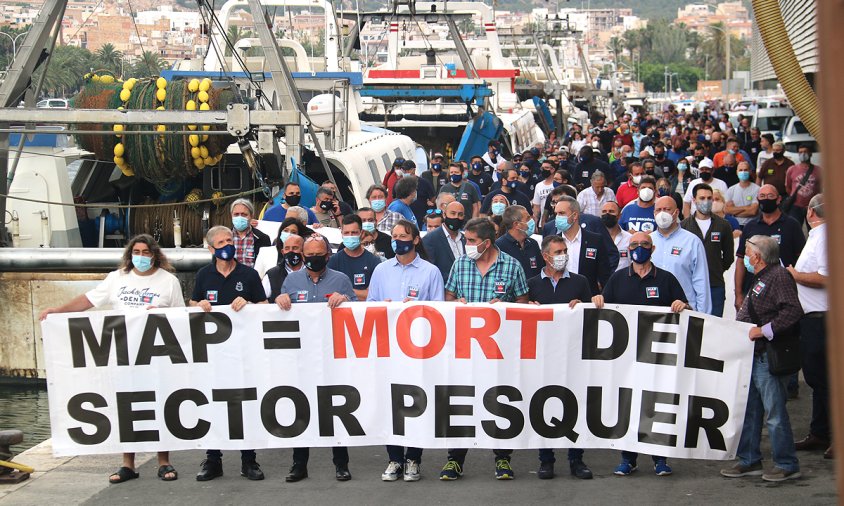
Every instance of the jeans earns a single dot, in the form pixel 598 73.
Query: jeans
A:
pixel 632 456
pixel 398 454
pixel 546 455
pixel 217 455
pixel 340 454
pixel 459 455
pixel 767 395
pixel 719 294
pixel 813 351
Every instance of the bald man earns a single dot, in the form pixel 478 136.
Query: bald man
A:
pixel 681 253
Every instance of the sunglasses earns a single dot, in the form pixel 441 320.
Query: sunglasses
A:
pixel 434 212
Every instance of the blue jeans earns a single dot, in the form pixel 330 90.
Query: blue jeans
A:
pixel 632 456
pixel 767 395
pixel 398 454
pixel 547 455
pixel 719 294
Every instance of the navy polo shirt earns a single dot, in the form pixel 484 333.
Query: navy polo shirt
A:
pixel 358 269
pixel 786 231
pixel 571 286
pixel 529 256
pixel 212 286
pixel 657 288
pixel 515 197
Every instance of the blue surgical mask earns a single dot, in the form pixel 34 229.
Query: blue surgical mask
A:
pixel 748 266
pixel 531 227
pixel 351 241
pixel 682 167
pixel 368 226
pixel 744 175
pixel 401 247
pixel 283 237
pixel 225 253
pixel 240 223
pixel 562 223
pixel 142 263
pixel 641 254
pixel 498 208
pixel 378 205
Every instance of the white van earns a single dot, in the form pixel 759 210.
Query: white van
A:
pixel 772 120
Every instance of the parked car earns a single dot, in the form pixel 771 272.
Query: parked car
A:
pixel 794 134
pixel 53 103
pixel 771 120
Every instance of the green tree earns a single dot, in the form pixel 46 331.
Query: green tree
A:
pixel 149 64
pixel 234 34
pixel 713 52
pixel 68 66
pixel 616 47
pixel 108 58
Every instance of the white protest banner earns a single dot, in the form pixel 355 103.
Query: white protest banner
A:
pixel 431 375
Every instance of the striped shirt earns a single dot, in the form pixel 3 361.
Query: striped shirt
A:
pixel 505 280
pixel 389 221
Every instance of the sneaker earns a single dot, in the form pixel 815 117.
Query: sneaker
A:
pixel 451 471
pixel 626 468
pixel 580 469
pixel 503 471
pixel 779 474
pixel 412 471
pixel 661 468
pixel 393 472
pixel 738 470
pixel 546 471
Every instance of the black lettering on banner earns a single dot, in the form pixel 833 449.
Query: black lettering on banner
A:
pixel 281 343
pixel 646 336
pixel 301 408
pixel 200 339
pixel 126 416
pixel 648 416
pixel 694 345
pixel 327 409
pixel 510 413
pixel 114 327
pixel 444 410
pixel 174 421
pixel 234 397
pixel 80 414
pixel 418 403
pixel 158 324
pixel 710 426
pixel 620 334
pixel 559 427
pixel 594 420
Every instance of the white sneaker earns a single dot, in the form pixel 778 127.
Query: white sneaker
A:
pixel 411 471
pixel 392 472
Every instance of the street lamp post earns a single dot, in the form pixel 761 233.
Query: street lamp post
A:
pixel 14 42
pixel 726 32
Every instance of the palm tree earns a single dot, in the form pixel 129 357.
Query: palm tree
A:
pixel 615 46
pixel 109 58
pixel 631 40
pixel 67 68
pixel 234 34
pixel 149 64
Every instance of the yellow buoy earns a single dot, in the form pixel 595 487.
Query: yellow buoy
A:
pixel 218 197
pixel 199 163
pixel 120 108
pixel 96 78
pixel 195 153
pixel 205 85
pixel 161 128
pixel 204 107
pixel 127 171
pixel 193 85
pixel 125 94
pixel 128 85
pixel 191 127
pixel 159 108
pixel 119 160
pixel 208 160
pixel 190 105
pixel 161 94
pixel 193 140
pixel 161 83
pixel 202 96
pixel 204 138
pixel 107 79
pixel 117 128
pixel 203 152
pixel 206 127
pixel 118 149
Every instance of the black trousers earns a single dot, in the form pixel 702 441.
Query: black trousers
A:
pixel 813 354
pixel 340 456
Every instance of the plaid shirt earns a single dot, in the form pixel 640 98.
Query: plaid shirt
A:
pixel 505 280
pixel 773 294
pixel 388 221
pixel 591 203
pixel 244 247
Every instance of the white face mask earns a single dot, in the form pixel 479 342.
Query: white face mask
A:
pixel 560 262
pixel 804 157
pixel 637 180
pixel 646 194
pixel 370 248
pixel 664 219
pixel 472 251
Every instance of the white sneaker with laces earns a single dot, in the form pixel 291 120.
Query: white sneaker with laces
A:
pixel 411 471
pixel 393 471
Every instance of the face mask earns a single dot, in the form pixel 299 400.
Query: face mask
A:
pixel 531 227
pixel 595 144
pixel 706 176
pixel 640 255
pixel 292 258
pixel 472 251
pixel 142 263
pixel 240 223
pixel 663 191
pixel 516 165
pixel 546 174
pixel 436 167
pixel 225 253
pixel 560 261
pixel 664 220
pixel 524 173
pixel 768 206
pixel 705 207
pixel 498 208
pixel 325 205
pixel 717 207
pixel 368 226
pixel 778 155
pixel 804 157
pixel 455 178
pixel 744 176
pixel 351 242
pixel 637 180
pixel 371 248
pixel 512 184
pixel 646 194
pixel 316 263
pixel 659 156
pixel 292 200
pixel 401 247
pixel 562 223
pixel 477 167
pixel 731 151
pixel 682 167
pixel 283 237
pixel 609 220
pixel 378 205
pixel 747 265
pixel 453 224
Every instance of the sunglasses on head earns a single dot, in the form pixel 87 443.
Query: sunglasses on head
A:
pixel 434 212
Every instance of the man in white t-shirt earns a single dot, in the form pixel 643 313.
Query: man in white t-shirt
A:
pixel 610 212
pixel 705 170
pixel 543 188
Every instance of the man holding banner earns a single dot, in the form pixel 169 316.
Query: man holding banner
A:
pixel 484 274
pixel 642 284
pixel 556 285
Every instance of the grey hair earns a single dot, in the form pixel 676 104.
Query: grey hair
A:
pixel 767 247
pixel 215 231
pixel 816 204
pixel 550 241
pixel 778 144
pixel 505 166
pixel 442 196
pixel 511 216
pixel 572 203
pixel 597 174
pixel 245 203
pixel 299 212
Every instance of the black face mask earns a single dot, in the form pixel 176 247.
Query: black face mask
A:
pixel 778 155
pixel 316 263
pixel 292 200
pixel 609 220
pixel 706 176
pixel 325 205
pixel 292 258
pixel 546 174
pixel 453 224
pixel 768 206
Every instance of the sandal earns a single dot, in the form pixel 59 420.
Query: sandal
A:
pixel 123 474
pixel 163 471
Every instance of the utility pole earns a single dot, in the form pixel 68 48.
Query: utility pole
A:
pixel 665 78
pixel 727 34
